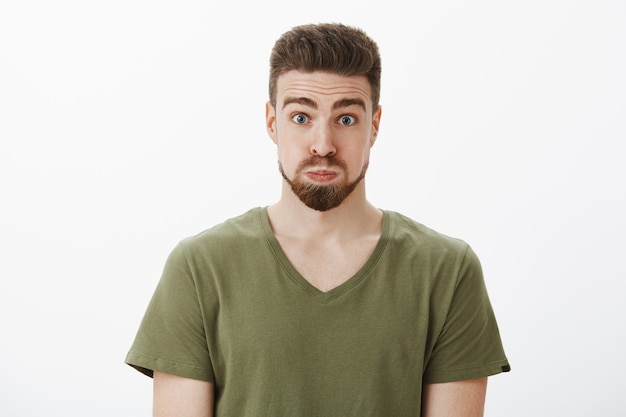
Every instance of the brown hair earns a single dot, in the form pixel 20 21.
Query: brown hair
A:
pixel 329 47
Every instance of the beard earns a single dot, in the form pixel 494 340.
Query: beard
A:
pixel 322 197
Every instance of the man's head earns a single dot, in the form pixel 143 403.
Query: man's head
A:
pixel 327 47
pixel 323 112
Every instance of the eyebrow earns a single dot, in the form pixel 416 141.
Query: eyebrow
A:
pixel 346 102
pixel 299 100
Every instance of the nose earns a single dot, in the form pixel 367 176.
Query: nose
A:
pixel 323 141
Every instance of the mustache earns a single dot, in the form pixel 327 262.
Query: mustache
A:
pixel 326 161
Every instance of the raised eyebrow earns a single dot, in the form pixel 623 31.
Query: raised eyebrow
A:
pixel 300 100
pixel 347 102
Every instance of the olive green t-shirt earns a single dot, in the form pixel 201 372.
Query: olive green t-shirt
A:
pixel 231 309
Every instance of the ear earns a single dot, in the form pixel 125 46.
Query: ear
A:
pixel 270 121
pixel 375 125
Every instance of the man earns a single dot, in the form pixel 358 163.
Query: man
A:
pixel 320 304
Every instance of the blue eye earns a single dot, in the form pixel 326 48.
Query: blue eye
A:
pixel 347 120
pixel 300 119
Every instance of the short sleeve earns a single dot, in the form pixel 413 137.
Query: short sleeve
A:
pixel 171 337
pixel 469 345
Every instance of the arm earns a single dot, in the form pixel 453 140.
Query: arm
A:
pixel 455 399
pixel 175 396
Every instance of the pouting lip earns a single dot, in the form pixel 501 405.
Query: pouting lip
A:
pixel 321 172
pixel 321 175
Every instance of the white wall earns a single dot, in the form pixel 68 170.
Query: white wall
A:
pixel 127 125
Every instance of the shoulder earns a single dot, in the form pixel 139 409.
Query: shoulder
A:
pixel 427 249
pixel 234 233
pixel 405 231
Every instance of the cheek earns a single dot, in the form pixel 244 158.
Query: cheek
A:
pixel 288 157
pixel 358 155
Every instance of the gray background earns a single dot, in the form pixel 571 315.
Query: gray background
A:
pixel 128 125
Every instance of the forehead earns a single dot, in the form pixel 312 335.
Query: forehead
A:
pixel 322 87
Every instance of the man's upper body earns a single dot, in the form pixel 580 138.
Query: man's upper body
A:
pixel 320 304
pixel 233 310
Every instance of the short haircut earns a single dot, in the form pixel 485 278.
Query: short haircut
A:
pixel 326 47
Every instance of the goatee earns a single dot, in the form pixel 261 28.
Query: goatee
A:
pixel 322 197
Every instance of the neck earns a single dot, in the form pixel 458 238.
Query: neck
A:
pixel 354 217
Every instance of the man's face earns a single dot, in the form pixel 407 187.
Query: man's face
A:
pixel 324 127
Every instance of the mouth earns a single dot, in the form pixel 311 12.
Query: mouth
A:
pixel 321 175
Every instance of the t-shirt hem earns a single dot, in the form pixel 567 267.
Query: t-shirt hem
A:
pixel 472 372
pixel 147 364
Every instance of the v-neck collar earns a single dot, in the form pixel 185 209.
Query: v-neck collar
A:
pixel 323 296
